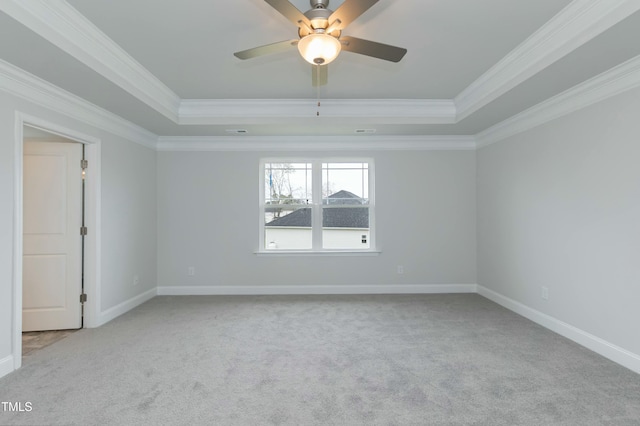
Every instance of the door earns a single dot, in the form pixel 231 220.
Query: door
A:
pixel 52 256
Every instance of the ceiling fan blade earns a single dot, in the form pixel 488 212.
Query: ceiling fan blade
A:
pixel 319 75
pixel 372 48
pixel 281 46
pixel 290 12
pixel 348 12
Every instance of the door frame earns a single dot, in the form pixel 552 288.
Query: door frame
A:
pixel 92 219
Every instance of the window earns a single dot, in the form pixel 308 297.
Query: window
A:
pixel 316 205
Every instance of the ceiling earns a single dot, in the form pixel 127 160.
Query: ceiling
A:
pixel 168 66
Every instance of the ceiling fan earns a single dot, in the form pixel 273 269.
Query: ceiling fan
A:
pixel 320 37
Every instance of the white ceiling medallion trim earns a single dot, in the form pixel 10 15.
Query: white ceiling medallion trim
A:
pixel 619 79
pixel 62 25
pixel 20 83
pixel 248 111
pixel 575 25
pixel 311 143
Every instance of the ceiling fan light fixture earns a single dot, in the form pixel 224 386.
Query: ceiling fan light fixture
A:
pixel 319 48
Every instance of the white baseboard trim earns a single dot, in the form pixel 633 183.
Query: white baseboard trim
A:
pixel 315 289
pixel 111 313
pixel 594 343
pixel 608 350
pixel 6 365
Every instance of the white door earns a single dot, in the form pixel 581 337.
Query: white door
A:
pixel 52 257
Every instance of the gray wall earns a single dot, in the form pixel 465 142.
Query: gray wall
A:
pixel 129 220
pixel 559 206
pixel 127 209
pixel 208 218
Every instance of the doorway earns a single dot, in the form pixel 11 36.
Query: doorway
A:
pixel 47 299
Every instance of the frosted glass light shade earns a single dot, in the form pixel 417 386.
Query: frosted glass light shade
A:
pixel 319 49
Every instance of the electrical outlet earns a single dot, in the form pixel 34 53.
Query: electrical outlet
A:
pixel 545 293
pixel 191 271
pixel 400 269
pixel 136 280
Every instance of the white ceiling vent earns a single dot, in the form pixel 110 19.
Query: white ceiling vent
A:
pixel 237 131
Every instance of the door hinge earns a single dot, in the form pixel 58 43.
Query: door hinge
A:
pixel 84 164
pixel 83 297
pixel 83 230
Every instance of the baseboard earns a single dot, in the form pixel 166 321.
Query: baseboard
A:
pixel 316 289
pixel 6 365
pixel 111 313
pixel 594 343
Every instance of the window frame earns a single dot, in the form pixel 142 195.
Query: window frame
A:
pixel 316 206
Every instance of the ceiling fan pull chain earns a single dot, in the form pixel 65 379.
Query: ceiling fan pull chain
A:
pixel 318 83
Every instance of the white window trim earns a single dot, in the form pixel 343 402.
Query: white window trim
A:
pixel 316 208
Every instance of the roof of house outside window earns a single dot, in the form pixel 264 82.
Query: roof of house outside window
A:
pixel 348 217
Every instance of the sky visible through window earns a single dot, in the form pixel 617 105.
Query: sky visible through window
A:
pixel 292 182
pixel 352 177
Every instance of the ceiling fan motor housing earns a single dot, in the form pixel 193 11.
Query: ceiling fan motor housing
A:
pixel 319 17
pixel 319 4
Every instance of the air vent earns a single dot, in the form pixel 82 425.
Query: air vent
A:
pixel 365 130
pixel 237 131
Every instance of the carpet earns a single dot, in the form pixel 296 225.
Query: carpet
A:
pixel 455 359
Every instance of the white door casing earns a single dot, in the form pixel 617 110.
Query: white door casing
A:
pixel 52 244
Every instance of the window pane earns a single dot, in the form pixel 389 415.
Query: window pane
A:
pixel 342 201
pixel 287 183
pixel 287 227
pixel 345 183
pixel 345 227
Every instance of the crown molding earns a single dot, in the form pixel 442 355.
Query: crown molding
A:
pixel 62 25
pixel 311 143
pixel 20 83
pixel 245 111
pixel 576 24
pixel 619 79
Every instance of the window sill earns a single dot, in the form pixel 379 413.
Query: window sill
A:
pixel 318 253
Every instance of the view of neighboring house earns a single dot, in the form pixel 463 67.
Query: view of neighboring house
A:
pixel 345 225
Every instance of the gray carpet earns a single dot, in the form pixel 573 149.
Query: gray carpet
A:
pixel 321 360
